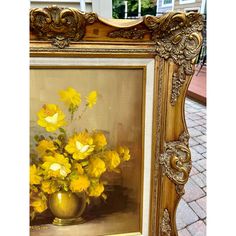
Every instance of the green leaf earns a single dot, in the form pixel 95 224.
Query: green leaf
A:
pixel 36 138
pixel 84 163
pixel 62 130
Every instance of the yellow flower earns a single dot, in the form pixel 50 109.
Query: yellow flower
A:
pixel 44 146
pixel 80 145
pixel 96 167
pixel 56 166
pixel 39 204
pixel 79 184
pixel 70 97
pixel 34 176
pixel 49 186
pixel 51 117
pixel 96 190
pixel 91 99
pixel 124 153
pixel 79 168
pixel 99 140
pixel 111 159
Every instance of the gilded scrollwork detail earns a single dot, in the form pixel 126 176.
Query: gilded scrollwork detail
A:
pixel 165 224
pixel 176 161
pixel 61 25
pixel 177 36
pixel 131 33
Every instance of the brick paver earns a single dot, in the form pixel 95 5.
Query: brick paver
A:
pixel 191 212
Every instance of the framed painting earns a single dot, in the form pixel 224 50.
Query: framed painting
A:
pixel 109 150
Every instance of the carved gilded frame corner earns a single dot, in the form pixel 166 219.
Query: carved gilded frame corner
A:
pixel 173 41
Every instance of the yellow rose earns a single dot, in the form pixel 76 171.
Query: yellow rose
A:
pixel 91 99
pixel 44 146
pixel 96 167
pixel 96 190
pixel 51 117
pixel 34 176
pixel 124 153
pixel 49 186
pixel 80 145
pixel 111 159
pixel 99 140
pixel 70 97
pixel 78 168
pixel 79 184
pixel 56 166
pixel 39 205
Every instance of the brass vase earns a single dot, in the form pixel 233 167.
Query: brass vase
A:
pixel 67 207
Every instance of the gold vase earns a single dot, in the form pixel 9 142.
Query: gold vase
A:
pixel 67 207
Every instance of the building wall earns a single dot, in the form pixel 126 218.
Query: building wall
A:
pixel 161 8
pixel 97 6
pixel 187 6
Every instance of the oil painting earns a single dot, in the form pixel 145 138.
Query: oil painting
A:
pixel 86 149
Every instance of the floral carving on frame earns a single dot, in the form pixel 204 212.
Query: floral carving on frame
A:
pixel 61 25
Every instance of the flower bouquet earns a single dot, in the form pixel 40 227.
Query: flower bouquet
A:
pixel 69 163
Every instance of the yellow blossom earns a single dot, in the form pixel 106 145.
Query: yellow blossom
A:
pixel 96 167
pixel 49 186
pixel 79 184
pixel 56 166
pixel 44 146
pixel 111 159
pixel 34 176
pixel 80 145
pixel 91 99
pixel 39 205
pixel 51 117
pixel 99 140
pixel 70 97
pixel 79 168
pixel 124 153
pixel 95 190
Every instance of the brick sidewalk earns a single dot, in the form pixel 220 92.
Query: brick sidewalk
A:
pixel 191 212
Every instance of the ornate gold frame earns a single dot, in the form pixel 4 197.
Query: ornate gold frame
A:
pixel 173 40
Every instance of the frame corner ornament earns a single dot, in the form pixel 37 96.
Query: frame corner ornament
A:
pixel 176 161
pixel 61 25
pixel 165 224
pixel 177 36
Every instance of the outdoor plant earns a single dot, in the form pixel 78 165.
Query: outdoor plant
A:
pixel 63 160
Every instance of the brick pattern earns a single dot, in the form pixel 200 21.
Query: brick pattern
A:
pixel 191 212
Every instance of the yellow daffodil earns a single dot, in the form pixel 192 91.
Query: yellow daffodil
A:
pixel 56 166
pixel 111 159
pixel 39 205
pixel 49 186
pixel 91 99
pixel 80 145
pixel 34 176
pixel 45 146
pixel 99 140
pixel 95 190
pixel 70 97
pixel 80 184
pixel 124 153
pixel 51 117
pixel 96 167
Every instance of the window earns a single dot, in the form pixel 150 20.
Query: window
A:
pixel 166 2
pixel 197 9
pixel 186 1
